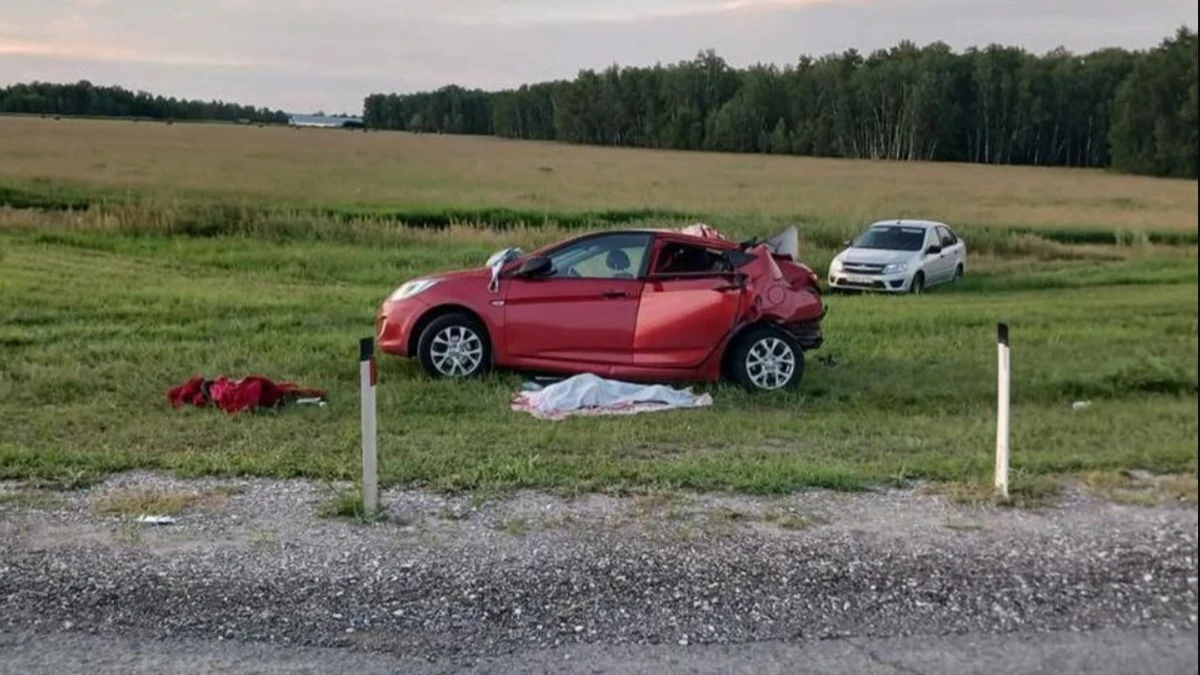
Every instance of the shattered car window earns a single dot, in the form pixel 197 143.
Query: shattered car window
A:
pixel 677 258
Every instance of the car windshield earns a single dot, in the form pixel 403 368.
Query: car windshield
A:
pixel 892 238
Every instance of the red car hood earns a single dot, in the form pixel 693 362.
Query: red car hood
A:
pixel 461 275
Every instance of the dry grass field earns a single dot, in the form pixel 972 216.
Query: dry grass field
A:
pixel 389 169
pixel 101 310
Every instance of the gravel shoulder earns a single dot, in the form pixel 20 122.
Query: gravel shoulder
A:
pixel 461 579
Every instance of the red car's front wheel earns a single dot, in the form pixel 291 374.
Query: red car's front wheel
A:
pixel 454 346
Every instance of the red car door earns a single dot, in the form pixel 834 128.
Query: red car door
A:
pixel 688 305
pixel 586 311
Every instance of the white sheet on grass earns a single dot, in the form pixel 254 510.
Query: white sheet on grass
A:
pixel 593 395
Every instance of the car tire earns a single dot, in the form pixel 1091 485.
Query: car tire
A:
pixel 917 286
pixel 454 346
pixel 958 273
pixel 755 347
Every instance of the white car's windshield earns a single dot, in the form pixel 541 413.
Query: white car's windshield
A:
pixel 892 238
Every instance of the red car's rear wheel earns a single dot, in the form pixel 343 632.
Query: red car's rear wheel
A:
pixel 766 358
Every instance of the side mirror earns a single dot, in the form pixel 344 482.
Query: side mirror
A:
pixel 933 249
pixel 537 266
pixel 846 243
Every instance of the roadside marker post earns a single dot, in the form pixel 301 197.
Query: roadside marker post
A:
pixel 1003 373
pixel 367 376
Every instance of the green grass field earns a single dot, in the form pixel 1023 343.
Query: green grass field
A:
pixel 179 270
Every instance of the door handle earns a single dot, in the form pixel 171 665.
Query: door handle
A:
pixel 614 294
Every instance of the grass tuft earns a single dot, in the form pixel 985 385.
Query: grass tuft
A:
pixel 1024 492
pixel 516 527
pixel 788 520
pixel 39 500
pixel 348 504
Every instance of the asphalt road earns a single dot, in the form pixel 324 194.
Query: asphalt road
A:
pixel 1110 652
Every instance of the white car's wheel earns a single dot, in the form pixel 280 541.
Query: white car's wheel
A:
pixel 918 284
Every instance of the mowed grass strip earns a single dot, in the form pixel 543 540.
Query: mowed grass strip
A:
pixel 386 170
pixel 95 326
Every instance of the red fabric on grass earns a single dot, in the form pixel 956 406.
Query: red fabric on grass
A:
pixel 237 395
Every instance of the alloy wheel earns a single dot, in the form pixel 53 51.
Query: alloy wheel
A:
pixel 456 351
pixel 771 363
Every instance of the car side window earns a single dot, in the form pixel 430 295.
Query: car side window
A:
pixel 616 256
pixel 946 237
pixel 690 260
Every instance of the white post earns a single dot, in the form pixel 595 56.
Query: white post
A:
pixel 1002 409
pixel 370 479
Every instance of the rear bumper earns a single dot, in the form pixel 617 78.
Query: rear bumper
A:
pixel 808 334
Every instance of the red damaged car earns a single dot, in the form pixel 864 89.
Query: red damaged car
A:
pixel 653 305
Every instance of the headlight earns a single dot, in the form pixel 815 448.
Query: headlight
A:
pixel 836 265
pixel 895 268
pixel 412 288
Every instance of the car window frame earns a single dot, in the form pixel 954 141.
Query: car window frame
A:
pixel 639 272
pixel 662 243
pixel 945 237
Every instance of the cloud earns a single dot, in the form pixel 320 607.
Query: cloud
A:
pixel 88 52
pixel 305 54
pixel 590 11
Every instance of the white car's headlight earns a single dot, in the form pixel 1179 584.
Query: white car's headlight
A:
pixel 411 288
pixel 895 268
pixel 835 265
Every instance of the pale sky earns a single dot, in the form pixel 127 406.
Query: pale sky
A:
pixel 304 55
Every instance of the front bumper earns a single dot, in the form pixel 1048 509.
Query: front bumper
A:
pixel 394 325
pixel 885 283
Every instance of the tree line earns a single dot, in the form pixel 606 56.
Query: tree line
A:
pixel 1132 110
pixel 84 98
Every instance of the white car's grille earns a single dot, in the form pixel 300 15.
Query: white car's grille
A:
pixel 862 268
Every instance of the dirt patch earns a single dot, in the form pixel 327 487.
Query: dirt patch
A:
pixel 130 502
pixel 1140 488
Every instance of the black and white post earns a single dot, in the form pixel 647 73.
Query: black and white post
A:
pixel 370 479
pixel 1003 370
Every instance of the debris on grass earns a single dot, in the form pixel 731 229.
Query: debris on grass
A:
pixel 156 520
pixel 248 393
pixel 590 395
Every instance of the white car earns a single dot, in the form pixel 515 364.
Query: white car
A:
pixel 899 256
